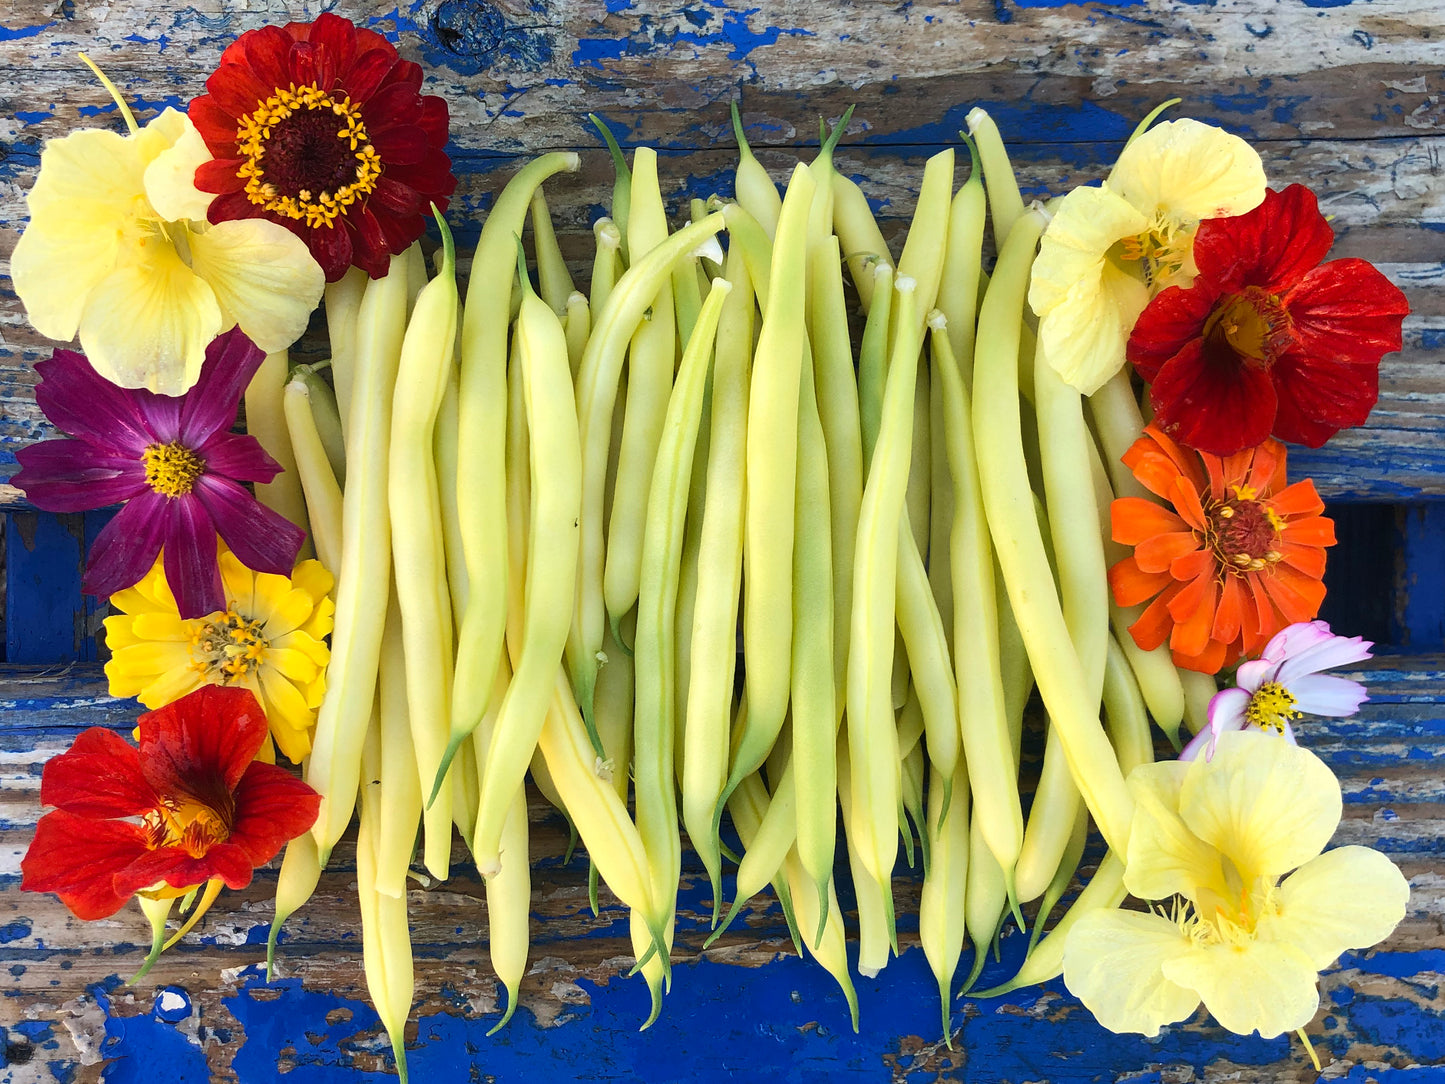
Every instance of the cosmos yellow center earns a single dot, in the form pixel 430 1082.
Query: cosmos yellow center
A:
pixel 226 649
pixel 307 155
pixel 172 469
pixel 1243 531
pixel 1271 706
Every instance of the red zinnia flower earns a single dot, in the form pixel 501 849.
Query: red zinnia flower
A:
pixel 208 809
pixel 322 128
pixel 1240 557
pixel 1267 339
pixel 175 463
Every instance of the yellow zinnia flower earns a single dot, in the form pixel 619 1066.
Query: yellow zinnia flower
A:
pixel 269 639
pixel 1108 250
pixel 1211 840
pixel 118 249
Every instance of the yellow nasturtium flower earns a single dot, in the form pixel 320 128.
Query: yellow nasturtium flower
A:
pixel 1109 250
pixel 1209 844
pixel 269 639
pixel 118 249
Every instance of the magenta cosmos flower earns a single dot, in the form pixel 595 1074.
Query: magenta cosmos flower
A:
pixel 174 463
pixel 1284 683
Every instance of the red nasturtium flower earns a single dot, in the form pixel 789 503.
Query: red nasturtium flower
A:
pixel 1267 340
pixel 207 809
pixel 1240 557
pixel 322 128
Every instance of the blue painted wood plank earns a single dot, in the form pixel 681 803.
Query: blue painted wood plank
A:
pixel 43 608
pixel 1420 610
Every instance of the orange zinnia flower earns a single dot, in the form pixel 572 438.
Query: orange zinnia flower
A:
pixel 1240 557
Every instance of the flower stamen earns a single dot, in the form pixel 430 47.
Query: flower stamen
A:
pixel 1271 707
pixel 228 647
pixel 172 469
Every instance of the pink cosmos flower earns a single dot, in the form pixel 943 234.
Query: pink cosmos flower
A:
pixel 175 464
pixel 1284 683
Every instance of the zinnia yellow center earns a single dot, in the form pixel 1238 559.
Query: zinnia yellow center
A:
pixel 308 155
pixel 1243 531
pixel 1252 323
pixel 226 649
pixel 172 469
pixel 1271 706
pixel 190 825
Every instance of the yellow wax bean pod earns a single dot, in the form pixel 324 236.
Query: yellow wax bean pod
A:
pixel 343 305
pixel 419 553
pixel 385 935
pixel 819 908
pixel 756 246
pixel 606 262
pixel 1124 714
pixel 837 392
pixel 554 282
pixel 941 923
pixel 1051 818
pixel 551 567
pixel 1118 424
pixel 772 453
pixel 400 796
pixel 755 189
pixel 1160 681
pixel 613 705
pixel 509 899
pixel 327 416
pixel 1064 875
pixel 913 770
pixel 749 804
pixel 708 267
pixel 873 361
pixel 920 467
pixel 466 789
pixel 318 482
pixel 926 247
pixel 651 360
pixel 815 710
pixel 654 717
pixel 295 884
pixel 1105 890
pixel 578 325
pixel 1004 200
pixel 621 186
pixel 872 734
pixel 765 852
pixel 707 712
pixel 876 931
pixel 266 421
pixel 820 219
pixel 444 449
pixel 335 764
pixel 686 298
pixel 987 741
pixel 1008 506
pixel 597 384
pixel 861 240
pixel 1199 690
pixel 986 901
pixel 689 574
pixel 960 281
pixel 940 507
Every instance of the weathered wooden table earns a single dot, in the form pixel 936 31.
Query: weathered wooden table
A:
pixel 1348 97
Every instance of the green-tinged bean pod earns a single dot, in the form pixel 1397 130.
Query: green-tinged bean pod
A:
pixel 876 931
pixel 596 396
pixel 361 599
pixel 651 360
pixel 343 306
pixel 708 710
pixel 837 391
pixel 772 453
pixel 1008 505
pixel 578 326
pixel 913 770
pixel 755 189
pixel 929 660
pixel 554 282
pixel 959 284
pixel 419 552
pixel 749 805
pixel 509 908
pixel 926 247
pixel 985 901
pixel 1199 690
pixel 1124 714
pixel 444 450
pixel 481 446
pixel 752 243
pixel 300 873
pixel 266 421
pixel 1004 200
pixel 765 852
pixel 920 468
pixel 1051 818
pixel 818 908
pixel 872 734
pixel 814 691
pixel 606 262
pixel 873 361
pixel 555 457
pixel 861 240
pixel 400 796
pixel 690 573
pixel 1064 875
pixel 328 418
pixel 1118 424
pixel 620 212
pixel 318 483
pixel 942 902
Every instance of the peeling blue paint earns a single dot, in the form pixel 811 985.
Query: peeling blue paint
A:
pixel 733 31
pixel 15 34
pixel 470 38
pixel 137 1046
pixel 14 931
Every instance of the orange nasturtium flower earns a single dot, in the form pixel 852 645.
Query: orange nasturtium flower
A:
pixel 1241 555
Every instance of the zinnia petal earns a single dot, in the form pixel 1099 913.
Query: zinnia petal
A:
pixel 1114 963
pixel 264 278
pixel 1350 897
pixel 1251 985
pixel 1267 805
pixel 1189 171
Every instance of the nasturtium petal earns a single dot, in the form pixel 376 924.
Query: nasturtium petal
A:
pixel 57 262
pixel 147 323
pixel 1350 897
pixel 1165 858
pixel 264 277
pixel 1114 963
pixel 170 178
pixel 1268 806
pixel 1250 985
pixel 1189 171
